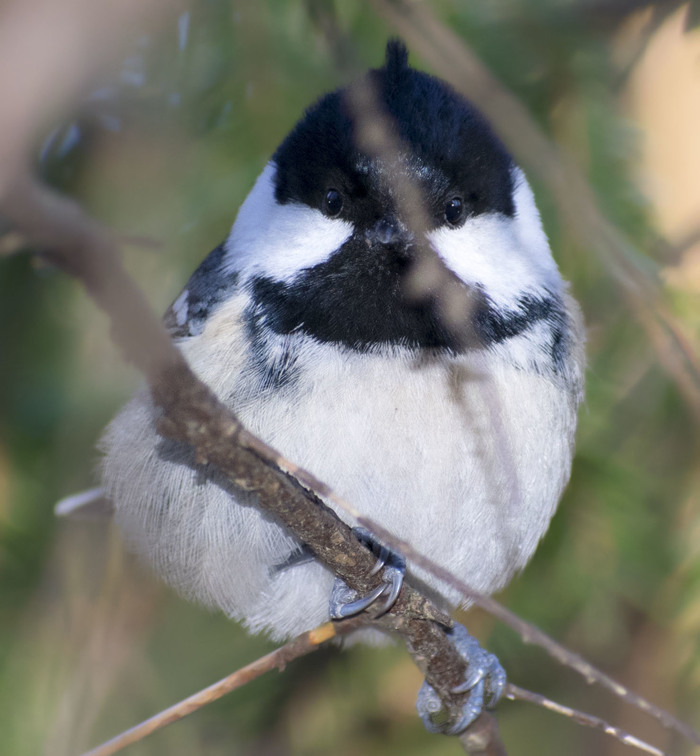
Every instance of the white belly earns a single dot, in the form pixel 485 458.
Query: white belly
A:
pixel 466 461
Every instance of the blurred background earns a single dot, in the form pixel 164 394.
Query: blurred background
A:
pixel 161 140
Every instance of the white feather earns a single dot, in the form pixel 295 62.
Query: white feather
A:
pixel 465 458
pixel 180 308
pixel 86 504
pixel 506 257
pixel 276 240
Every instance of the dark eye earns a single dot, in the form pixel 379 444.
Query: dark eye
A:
pixel 333 203
pixel 454 210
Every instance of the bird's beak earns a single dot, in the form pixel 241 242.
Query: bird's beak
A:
pixel 388 232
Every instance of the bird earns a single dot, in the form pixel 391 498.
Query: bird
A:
pixel 454 432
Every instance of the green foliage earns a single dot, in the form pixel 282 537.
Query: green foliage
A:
pixel 89 644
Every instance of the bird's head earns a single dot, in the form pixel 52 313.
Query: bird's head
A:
pixel 370 177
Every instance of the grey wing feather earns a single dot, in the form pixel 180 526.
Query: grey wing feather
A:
pixel 208 286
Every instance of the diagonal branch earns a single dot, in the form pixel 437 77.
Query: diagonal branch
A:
pixel 278 659
pixel 455 62
pixel 192 414
pixel 478 740
pixel 515 693
pixel 529 633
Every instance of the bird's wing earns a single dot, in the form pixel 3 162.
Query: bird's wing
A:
pixel 208 286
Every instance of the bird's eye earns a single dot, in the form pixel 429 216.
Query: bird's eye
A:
pixel 454 209
pixel 333 203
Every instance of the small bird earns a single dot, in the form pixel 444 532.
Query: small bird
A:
pixel 456 438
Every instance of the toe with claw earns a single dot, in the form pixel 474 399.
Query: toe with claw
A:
pixel 484 683
pixel 345 601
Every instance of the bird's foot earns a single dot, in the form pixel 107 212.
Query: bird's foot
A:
pixel 345 601
pixel 485 682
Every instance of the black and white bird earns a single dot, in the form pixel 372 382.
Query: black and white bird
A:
pixel 458 441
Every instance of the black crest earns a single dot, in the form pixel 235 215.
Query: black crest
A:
pixel 396 60
pixel 435 126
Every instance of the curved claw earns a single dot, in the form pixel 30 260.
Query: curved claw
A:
pixel 475 675
pixel 343 602
pixel 434 717
pixel 339 610
pixel 384 554
pixel 365 537
pixel 393 586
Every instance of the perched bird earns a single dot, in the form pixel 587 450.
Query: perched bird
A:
pixel 457 438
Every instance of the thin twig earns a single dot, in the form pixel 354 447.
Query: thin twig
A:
pixel 514 693
pixel 482 737
pixel 194 415
pixel 278 659
pixel 455 62
pixel 530 633
pixel 141 242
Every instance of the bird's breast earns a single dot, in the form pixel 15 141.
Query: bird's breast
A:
pixel 463 456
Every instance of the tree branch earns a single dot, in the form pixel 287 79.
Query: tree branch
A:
pixel 514 693
pixel 77 244
pixel 71 240
pixel 278 659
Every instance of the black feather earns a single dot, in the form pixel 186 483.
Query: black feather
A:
pixel 452 147
pixel 208 286
pixel 396 59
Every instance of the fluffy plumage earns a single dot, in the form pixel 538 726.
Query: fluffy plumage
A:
pixel 300 322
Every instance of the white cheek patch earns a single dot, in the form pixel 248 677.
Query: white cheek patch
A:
pixel 278 241
pixel 506 257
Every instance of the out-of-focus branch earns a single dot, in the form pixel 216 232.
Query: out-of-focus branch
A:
pixel 455 62
pixel 605 14
pixel 49 52
pixel 191 413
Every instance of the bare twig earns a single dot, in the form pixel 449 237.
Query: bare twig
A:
pixel 48 53
pixel 530 633
pixel 278 659
pixel 514 693
pixel 428 278
pixel 194 415
pixel 673 253
pixel 482 738
pixel 191 413
pixel 76 243
pixel 455 62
